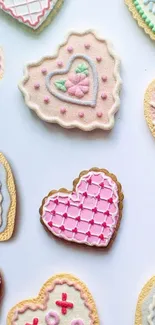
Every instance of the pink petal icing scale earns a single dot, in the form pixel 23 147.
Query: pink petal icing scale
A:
pixel 90 214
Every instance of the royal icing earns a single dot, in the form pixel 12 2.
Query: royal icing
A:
pixel 90 214
pixel 76 78
pixel 30 13
pixel 144 12
pixel 63 299
pixel 7 200
pixel 145 312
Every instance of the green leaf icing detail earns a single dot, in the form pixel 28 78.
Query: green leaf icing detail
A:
pixel 82 68
pixel 143 15
pixel 60 84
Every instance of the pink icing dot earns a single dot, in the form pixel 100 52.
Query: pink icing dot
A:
pixel 87 46
pixel 46 99
pixel 63 110
pixel 70 49
pixel 81 114
pixel 98 59
pixel 60 64
pixel 99 114
pixel 44 70
pixel 104 96
pixel 104 78
pixel 37 85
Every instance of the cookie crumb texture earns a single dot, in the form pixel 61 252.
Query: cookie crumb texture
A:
pixel 77 87
pixel 149 107
pixel 90 214
pixel 63 299
pixel 7 200
pixel 143 12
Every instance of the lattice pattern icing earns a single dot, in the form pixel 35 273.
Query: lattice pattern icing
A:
pixel 30 12
pixel 88 215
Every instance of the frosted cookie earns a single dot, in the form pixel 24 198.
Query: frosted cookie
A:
pixel 89 214
pixel 1 63
pixel 144 12
pixel 145 311
pixel 149 106
pixel 63 300
pixel 7 200
pixel 77 87
pixel 31 13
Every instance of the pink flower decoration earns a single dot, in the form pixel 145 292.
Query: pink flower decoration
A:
pixel 77 84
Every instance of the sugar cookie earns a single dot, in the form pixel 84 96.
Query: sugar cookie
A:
pixel 63 300
pixel 149 106
pixel 144 12
pixel 77 87
pixel 31 13
pixel 7 200
pixel 145 311
pixel 89 214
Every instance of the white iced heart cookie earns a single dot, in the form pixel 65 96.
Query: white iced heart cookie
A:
pixel 144 12
pixel 145 311
pixel 63 300
pixel 31 13
pixel 77 87
pixel 7 200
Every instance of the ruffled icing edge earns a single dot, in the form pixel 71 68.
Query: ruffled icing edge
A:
pixel 41 301
pixel 116 91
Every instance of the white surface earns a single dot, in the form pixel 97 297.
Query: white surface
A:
pixel 45 156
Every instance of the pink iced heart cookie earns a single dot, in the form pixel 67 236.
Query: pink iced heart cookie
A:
pixel 30 13
pixel 90 214
pixel 76 87
pixel 63 299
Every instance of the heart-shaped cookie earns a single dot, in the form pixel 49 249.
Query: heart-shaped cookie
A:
pixel 149 106
pixel 145 311
pixel 7 200
pixel 90 214
pixel 78 84
pixel 30 13
pixel 63 299
pixel 144 12
pixel 77 87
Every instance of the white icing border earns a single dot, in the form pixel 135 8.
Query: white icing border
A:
pixel 116 91
pixel 71 100
pixel 151 315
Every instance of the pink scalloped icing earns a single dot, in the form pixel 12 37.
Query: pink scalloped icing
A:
pixel 28 12
pixel 24 313
pixel 89 215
